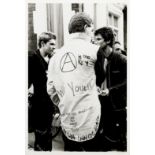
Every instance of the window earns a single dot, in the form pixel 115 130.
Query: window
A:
pixel 110 19
pixel 113 23
pixel 77 7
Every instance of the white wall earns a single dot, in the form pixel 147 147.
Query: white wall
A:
pixel 89 9
pixel 40 18
pixel 101 15
pixel 67 14
pixel 117 10
pixel 121 31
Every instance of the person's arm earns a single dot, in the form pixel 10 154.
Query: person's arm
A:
pixel 50 83
pixel 30 70
pixel 122 63
pixel 99 68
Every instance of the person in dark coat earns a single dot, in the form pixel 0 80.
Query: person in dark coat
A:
pixel 114 91
pixel 118 48
pixel 41 105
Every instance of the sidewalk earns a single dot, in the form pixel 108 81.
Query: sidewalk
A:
pixel 57 142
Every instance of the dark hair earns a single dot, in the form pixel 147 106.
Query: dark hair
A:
pixel 45 37
pixel 78 21
pixel 106 33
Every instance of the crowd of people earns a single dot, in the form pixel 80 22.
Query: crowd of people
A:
pixel 87 81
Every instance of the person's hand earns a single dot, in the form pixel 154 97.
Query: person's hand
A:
pixel 30 94
pixel 104 92
pixel 31 91
pixel 98 90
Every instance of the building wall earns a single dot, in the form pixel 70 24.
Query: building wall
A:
pixel 32 37
pixel 55 17
pixel 125 28
pixel 67 14
pixel 101 15
pixel 118 11
pixel 55 21
pixel 40 18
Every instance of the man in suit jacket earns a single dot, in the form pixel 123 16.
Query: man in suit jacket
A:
pixel 118 48
pixel 42 106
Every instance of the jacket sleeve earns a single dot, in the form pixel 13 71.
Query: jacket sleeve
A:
pixel 118 91
pixel 30 70
pixel 122 63
pixel 99 69
pixel 51 90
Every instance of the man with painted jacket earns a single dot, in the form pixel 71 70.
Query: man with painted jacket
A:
pixel 72 86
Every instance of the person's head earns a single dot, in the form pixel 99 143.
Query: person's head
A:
pixel 117 47
pixel 81 22
pixel 47 42
pixel 104 36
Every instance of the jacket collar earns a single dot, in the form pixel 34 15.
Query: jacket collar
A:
pixel 80 35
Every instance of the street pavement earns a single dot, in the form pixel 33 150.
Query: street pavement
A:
pixel 57 142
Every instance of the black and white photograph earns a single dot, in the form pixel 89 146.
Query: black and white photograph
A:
pixel 77 76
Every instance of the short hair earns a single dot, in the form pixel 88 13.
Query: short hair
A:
pixel 45 37
pixel 107 34
pixel 78 21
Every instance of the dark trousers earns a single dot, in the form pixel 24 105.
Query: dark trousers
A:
pixel 43 134
pixel 43 140
pixel 114 125
pixel 40 119
pixel 94 144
